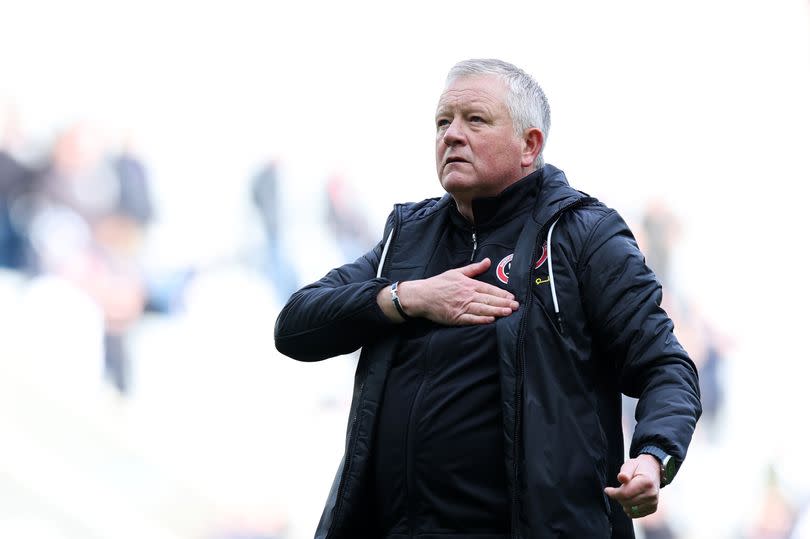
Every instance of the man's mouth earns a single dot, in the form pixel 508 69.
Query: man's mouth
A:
pixel 450 160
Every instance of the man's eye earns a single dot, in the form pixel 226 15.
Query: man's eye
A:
pixel 442 123
pixel 476 119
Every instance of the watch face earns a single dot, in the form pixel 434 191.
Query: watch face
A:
pixel 668 467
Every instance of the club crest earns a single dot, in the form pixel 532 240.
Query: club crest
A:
pixel 502 270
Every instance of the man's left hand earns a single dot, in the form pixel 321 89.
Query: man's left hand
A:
pixel 640 479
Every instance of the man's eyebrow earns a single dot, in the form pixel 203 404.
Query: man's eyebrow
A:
pixel 469 106
pixel 442 112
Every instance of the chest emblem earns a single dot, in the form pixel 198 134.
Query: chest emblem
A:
pixel 502 270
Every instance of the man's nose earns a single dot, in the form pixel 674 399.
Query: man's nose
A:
pixel 454 134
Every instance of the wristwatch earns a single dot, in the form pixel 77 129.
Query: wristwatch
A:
pixel 669 465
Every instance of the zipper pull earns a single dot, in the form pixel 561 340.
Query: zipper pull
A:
pixel 475 246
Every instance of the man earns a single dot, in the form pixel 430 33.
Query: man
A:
pixel 499 326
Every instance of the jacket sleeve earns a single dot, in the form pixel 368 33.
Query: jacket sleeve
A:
pixel 622 300
pixel 337 314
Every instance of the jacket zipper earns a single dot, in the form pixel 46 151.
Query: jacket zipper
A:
pixel 521 368
pixel 475 245
pixel 518 408
pixel 352 437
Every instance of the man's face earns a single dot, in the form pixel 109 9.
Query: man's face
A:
pixel 477 151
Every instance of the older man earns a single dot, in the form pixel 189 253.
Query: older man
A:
pixel 499 326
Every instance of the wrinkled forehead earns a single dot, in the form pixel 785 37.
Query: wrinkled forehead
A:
pixel 471 90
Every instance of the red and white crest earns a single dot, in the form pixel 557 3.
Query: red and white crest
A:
pixel 502 270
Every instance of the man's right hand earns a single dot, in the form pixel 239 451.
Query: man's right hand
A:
pixel 452 298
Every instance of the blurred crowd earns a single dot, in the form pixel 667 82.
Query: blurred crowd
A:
pixel 75 218
pixel 775 516
pixel 77 210
pixel 79 215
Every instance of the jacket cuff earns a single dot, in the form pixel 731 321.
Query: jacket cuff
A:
pixel 376 311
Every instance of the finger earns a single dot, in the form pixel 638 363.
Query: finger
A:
pixel 639 511
pixel 638 487
pixel 619 494
pixel 491 290
pixel 642 500
pixel 633 511
pixel 645 497
pixel 473 319
pixel 629 491
pixel 612 493
pixel 476 268
pixel 627 471
pixel 482 309
pixel 495 301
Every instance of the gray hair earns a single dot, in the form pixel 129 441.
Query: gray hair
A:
pixel 525 98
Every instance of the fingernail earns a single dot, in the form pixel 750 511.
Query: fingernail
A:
pixel 515 305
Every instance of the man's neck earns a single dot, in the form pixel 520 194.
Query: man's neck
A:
pixel 465 209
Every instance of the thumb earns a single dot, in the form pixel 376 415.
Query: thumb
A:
pixel 628 471
pixel 476 268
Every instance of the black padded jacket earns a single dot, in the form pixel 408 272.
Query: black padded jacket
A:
pixel 589 331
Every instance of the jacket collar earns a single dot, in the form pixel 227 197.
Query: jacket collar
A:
pixel 550 185
pixel 555 194
pixel 489 212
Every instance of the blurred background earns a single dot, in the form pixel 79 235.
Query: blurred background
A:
pixel 170 172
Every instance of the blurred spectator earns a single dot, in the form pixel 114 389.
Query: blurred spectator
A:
pixel 15 180
pixel 134 201
pixel 658 236
pixel 775 516
pixel 661 230
pixel 708 349
pixel 346 219
pixel 86 223
pixel 277 267
pixel 712 380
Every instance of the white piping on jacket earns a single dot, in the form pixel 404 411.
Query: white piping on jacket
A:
pixel 384 252
pixel 551 270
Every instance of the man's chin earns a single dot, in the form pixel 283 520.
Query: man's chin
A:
pixel 455 181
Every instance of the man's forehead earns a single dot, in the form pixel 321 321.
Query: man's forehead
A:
pixel 478 90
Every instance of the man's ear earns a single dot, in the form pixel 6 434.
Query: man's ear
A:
pixel 532 144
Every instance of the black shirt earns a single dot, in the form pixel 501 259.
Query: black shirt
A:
pixel 438 453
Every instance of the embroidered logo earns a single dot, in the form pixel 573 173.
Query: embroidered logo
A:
pixel 502 270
